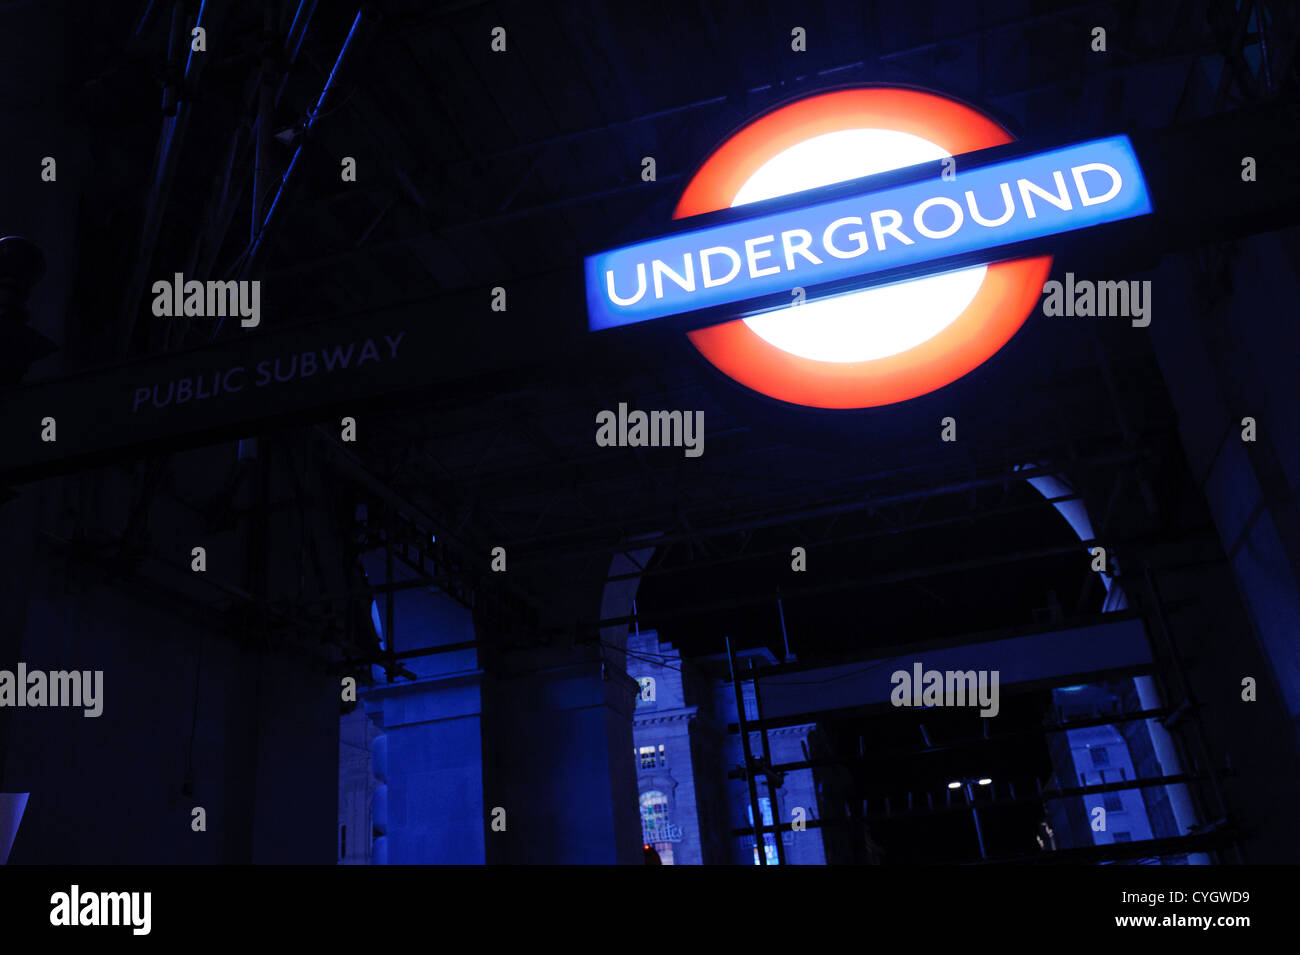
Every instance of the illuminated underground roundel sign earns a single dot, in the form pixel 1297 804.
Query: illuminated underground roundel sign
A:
pixel 857 348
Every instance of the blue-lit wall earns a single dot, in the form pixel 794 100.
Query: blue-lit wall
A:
pixel 430 809
pixel 1226 342
pixel 526 763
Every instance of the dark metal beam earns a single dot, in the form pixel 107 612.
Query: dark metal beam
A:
pixel 876 755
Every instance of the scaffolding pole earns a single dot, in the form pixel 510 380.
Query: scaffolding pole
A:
pixel 767 770
pixel 757 816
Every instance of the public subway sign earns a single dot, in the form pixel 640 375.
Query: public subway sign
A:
pixel 1029 197
pixel 842 288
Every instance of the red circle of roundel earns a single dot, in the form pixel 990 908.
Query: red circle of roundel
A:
pixel 1008 294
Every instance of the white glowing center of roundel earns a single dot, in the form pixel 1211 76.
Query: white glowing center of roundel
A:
pixel 876 322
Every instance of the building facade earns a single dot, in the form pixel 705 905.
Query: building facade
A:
pixel 691 789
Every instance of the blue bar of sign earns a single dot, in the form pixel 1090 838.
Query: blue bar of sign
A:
pixel 1028 197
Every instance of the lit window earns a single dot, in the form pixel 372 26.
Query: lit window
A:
pixel 654 824
pixel 661 755
pixel 647 757
pixel 769 839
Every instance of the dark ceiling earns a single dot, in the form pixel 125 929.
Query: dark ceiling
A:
pixel 482 169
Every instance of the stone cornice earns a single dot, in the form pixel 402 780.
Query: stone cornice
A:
pixel 678 715
pixel 803 729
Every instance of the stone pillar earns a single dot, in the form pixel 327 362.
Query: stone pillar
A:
pixel 430 807
pixel 1228 354
pixel 431 810
pixel 1226 344
pixel 561 761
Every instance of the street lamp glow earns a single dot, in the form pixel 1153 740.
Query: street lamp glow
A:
pixel 986 781
pixel 954 785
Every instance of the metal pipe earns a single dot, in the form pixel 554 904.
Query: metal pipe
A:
pixel 784 637
pixel 856 503
pixel 1261 31
pixel 172 73
pixel 696 566
pixel 189 59
pixel 175 122
pixel 760 846
pixel 767 87
pixel 293 44
pixel 258 246
pixel 144 17
pixel 767 765
pixel 390 598
pixel 979 836
pixel 682 610
pixel 265 106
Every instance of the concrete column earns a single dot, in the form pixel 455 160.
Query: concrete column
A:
pixel 434 797
pixel 1223 362
pixel 431 807
pixel 562 766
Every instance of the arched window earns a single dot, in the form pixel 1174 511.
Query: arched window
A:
pixel 654 824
